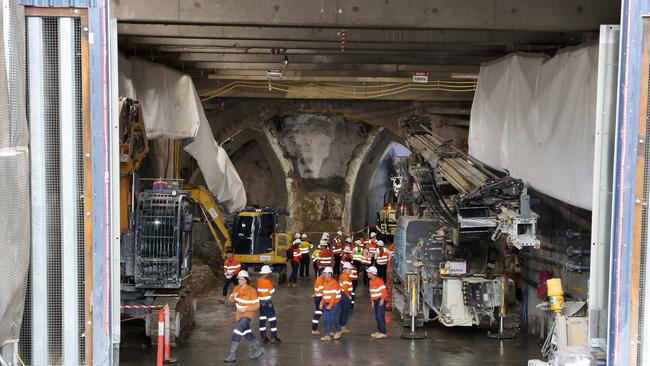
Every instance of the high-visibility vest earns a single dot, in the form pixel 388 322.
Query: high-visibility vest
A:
pixel 314 255
pixel 318 286
pixel 331 292
pixel 365 257
pixel 245 300
pixel 354 275
pixel 346 284
pixel 305 246
pixel 296 254
pixel 325 258
pixel 382 257
pixel 265 289
pixel 357 254
pixel 231 266
pixel 377 289
pixel 338 246
pixel 372 247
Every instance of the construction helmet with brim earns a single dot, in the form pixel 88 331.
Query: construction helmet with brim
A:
pixel 380 243
pixel 243 274
pixel 329 270
pixel 372 269
pixel 296 236
pixel 265 269
pixel 347 265
pixel 304 236
pixel 373 234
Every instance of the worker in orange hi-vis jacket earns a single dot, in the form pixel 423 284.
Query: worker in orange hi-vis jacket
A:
pixel 330 305
pixel 318 296
pixel 378 295
pixel 381 258
pixel 265 292
pixel 245 298
pixel 372 246
pixel 325 256
pixel 346 296
pixel 231 268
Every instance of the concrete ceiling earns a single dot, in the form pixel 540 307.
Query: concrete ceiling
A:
pixel 224 42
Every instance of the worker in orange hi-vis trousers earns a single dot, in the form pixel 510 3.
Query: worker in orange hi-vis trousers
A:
pixel 330 305
pixel 245 298
pixel 346 296
pixel 378 295
pixel 265 292
pixel 318 296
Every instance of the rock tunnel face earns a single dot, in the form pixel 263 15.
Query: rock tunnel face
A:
pixel 329 171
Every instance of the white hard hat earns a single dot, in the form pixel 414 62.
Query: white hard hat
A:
pixel 347 265
pixel 357 242
pixel 328 270
pixel 304 236
pixel 265 269
pixel 372 269
pixel 339 233
pixel 326 235
pixel 373 234
pixel 243 274
pixel 297 241
pixel 348 240
pixel 380 243
pixel 296 236
pixel 347 250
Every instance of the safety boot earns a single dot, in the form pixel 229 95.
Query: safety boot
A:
pixel 233 352
pixel 275 339
pixel 256 350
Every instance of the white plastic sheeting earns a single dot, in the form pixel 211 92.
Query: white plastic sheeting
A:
pixel 535 118
pixel 171 108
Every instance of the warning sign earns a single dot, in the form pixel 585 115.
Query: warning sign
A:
pixel 421 77
pixel 274 74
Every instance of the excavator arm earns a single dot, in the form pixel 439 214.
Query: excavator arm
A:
pixel 214 217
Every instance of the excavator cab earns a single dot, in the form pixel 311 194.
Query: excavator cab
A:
pixel 253 232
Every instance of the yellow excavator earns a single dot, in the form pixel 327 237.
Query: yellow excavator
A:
pixel 254 238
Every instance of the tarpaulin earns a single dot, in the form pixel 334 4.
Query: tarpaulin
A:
pixel 171 108
pixel 535 117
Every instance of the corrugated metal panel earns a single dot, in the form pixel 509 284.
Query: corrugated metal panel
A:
pixel 59 3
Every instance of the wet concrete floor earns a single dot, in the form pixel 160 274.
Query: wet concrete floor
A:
pixel 209 340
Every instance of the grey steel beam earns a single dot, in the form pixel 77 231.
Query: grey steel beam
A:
pixel 38 157
pixel 343 58
pixel 497 14
pixel 69 195
pixel 385 68
pixel 514 41
pixel 304 34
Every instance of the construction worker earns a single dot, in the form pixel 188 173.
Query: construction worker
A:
pixel 372 247
pixel 245 298
pixel 366 261
pixel 305 247
pixel 348 244
pixel 337 251
pixel 295 263
pixel 231 268
pixel 382 257
pixel 378 296
pixel 314 260
pixel 346 296
pixel 265 291
pixel 318 296
pixel 330 305
pixel 325 256
pixel 354 277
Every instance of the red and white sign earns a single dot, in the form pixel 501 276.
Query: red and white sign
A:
pixel 421 77
pixel 274 74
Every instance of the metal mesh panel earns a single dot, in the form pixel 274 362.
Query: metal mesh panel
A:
pixel 644 231
pixel 53 175
pixel 14 173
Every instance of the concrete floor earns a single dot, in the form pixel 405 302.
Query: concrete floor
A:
pixel 209 340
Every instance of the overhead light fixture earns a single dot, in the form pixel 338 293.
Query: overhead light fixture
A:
pixel 464 76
